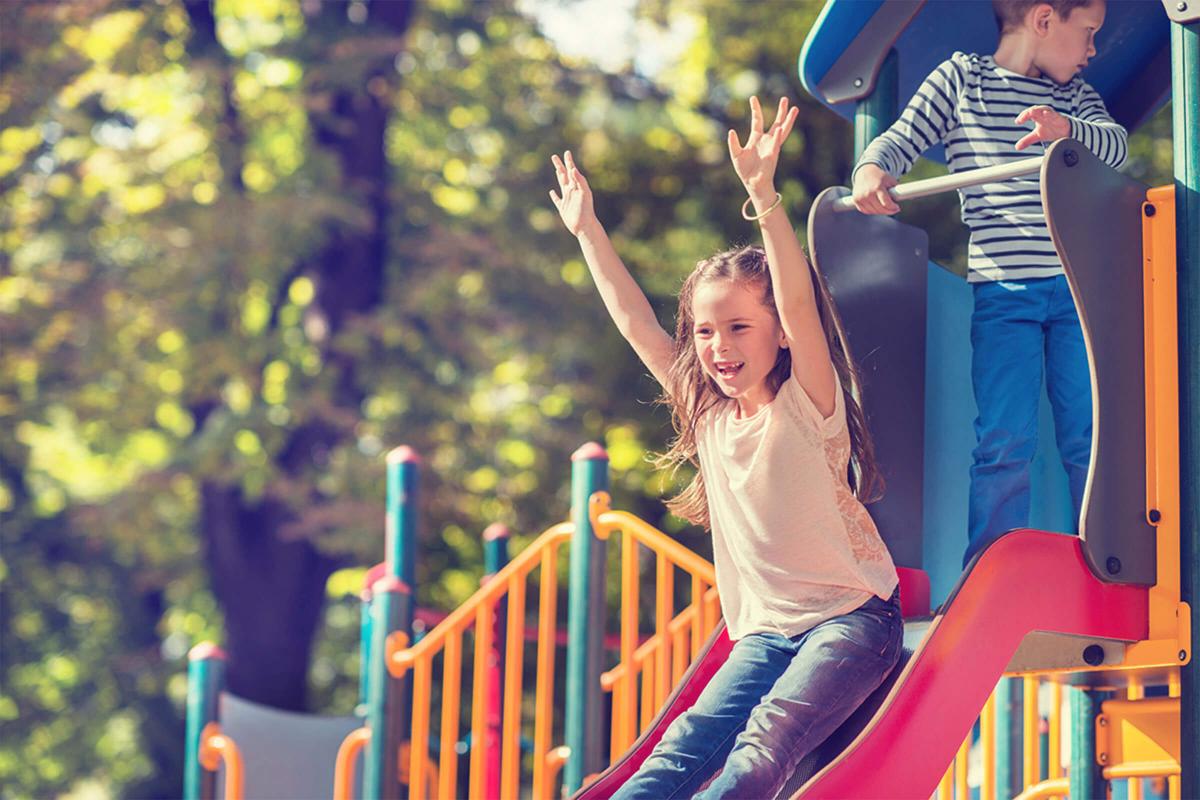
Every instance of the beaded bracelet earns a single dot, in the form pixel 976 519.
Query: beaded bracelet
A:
pixel 746 216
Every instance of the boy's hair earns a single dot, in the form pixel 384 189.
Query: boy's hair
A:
pixel 690 392
pixel 1011 13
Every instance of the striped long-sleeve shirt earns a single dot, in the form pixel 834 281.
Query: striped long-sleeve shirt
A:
pixel 969 104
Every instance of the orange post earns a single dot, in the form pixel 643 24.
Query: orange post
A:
pixel 217 748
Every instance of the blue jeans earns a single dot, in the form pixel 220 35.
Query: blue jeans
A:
pixel 1017 327
pixel 773 701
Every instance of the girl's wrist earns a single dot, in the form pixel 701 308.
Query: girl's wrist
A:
pixel 591 229
pixel 762 195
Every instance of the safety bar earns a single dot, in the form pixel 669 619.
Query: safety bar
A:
pixel 343 769
pixel 957 180
pixel 217 747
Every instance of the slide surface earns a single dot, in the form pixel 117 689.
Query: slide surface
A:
pixel 1025 581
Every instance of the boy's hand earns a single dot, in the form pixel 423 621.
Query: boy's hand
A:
pixel 1048 125
pixel 870 193
pixel 755 163
pixel 575 205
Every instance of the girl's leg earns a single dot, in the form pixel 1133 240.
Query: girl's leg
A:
pixel 1006 372
pixel 696 744
pixel 1069 385
pixel 836 667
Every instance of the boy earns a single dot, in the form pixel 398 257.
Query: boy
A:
pixel 1024 315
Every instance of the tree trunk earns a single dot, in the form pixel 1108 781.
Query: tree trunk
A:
pixel 271 589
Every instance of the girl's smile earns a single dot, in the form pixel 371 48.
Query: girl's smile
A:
pixel 737 339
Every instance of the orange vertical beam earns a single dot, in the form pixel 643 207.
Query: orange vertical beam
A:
pixel 664 603
pixel 484 621
pixel 451 703
pixel 510 758
pixel 544 691
pixel 418 746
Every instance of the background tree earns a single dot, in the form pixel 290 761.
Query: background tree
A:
pixel 248 246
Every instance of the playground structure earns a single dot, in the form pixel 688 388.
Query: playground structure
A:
pixel 1101 621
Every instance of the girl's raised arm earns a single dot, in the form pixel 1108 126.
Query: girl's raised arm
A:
pixel 624 299
pixel 791 276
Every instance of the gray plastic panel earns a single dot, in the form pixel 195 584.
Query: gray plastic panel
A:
pixel 852 76
pixel 286 755
pixel 1095 218
pixel 876 269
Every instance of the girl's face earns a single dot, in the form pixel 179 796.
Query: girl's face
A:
pixel 737 339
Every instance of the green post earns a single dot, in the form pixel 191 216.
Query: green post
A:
pixel 1085 773
pixel 387 702
pixel 364 651
pixel 1007 725
pixel 206 681
pixel 1185 103
pixel 403 466
pixel 875 113
pixel 585 733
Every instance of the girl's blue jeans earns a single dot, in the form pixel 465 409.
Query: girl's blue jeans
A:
pixel 1021 330
pixel 774 700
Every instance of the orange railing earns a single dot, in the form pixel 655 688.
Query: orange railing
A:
pixel 658 659
pixel 662 658
pixel 478 614
pixel 217 748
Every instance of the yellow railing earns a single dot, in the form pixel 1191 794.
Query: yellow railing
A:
pixel 658 660
pixel 447 639
pixel 1036 716
pixel 663 657
pixel 217 748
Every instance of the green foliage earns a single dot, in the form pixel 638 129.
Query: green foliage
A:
pixel 164 328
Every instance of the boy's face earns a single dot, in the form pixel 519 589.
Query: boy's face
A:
pixel 1065 45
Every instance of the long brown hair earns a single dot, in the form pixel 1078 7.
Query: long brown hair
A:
pixel 690 392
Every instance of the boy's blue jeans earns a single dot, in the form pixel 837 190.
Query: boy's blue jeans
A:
pixel 772 702
pixel 1017 327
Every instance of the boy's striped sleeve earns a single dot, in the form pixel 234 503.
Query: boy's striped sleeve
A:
pixel 926 120
pixel 1092 126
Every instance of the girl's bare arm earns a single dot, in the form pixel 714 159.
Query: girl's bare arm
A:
pixel 791 275
pixel 624 299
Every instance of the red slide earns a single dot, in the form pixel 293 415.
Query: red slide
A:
pixel 1025 581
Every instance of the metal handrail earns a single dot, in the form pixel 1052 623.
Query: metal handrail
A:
pixel 957 180
pixel 217 747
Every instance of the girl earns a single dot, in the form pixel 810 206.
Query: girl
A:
pixel 762 393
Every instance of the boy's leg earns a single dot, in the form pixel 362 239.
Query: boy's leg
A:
pixel 696 744
pixel 1069 384
pixel 1006 372
pixel 836 667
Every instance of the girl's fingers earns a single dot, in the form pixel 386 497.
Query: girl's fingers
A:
pixel 735 148
pixel 578 178
pixel 554 198
pixel 756 116
pixel 1027 140
pixel 560 172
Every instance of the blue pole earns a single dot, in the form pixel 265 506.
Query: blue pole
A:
pixel 206 681
pixel 584 731
pixel 387 700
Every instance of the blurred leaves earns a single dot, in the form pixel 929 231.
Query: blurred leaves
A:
pixel 164 325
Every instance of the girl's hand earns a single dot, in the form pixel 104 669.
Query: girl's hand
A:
pixel 1048 125
pixel 575 204
pixel 755 163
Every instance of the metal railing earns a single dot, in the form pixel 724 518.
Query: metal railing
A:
pixel 958 180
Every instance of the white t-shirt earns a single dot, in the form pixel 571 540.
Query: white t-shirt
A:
pixel 792 545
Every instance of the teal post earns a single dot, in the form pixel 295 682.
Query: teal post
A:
pixel 875 113
pixel 364 651
pixel 206 681
pixel 585 732
pixel 1185 103
pixel 1085 773
pixel 387 702
pixel 1007 725
pixel 403 466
